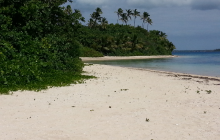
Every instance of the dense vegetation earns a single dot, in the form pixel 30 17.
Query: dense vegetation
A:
pixel 41 41
pixel 125 40
pixel 122 40
pixel 37 44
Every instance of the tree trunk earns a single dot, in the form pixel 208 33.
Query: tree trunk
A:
pixel 134 22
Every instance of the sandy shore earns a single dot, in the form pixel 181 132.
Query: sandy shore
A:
pixel 121 104
pixel 124 57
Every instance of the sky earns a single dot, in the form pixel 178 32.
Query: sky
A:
pixel 189 24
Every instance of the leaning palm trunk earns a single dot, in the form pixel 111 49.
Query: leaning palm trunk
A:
pixel 143 24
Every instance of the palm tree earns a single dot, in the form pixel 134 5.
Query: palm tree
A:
pixel 144 18
pixel 171 47
pixel 98 10
pixel 124 18
pixel 90 22
pixel 119 12
pixel 149 21
pixel 77 13
pixel 68 10
pixel 104 22
pixel 162 34
pixel 129 13
pixel 96 15
pixel 135 14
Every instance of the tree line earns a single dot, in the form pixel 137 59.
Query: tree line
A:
pixel 100 38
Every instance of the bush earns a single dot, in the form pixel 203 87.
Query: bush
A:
pixel 89 52
pixel 36 44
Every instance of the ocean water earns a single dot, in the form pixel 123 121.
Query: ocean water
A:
pixel 199 63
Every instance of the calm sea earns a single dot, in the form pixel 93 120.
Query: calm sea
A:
pixel 199 63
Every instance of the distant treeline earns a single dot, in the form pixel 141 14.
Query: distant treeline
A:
pixel 100 38
pixel 123 40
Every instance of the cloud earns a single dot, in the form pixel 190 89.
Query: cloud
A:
pixel 90 5
pixel 205 4
pixel 149 4
pixel 92 2
pixel 158 3
pixel 194 4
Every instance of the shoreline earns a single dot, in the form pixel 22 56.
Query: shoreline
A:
pixel 109 58
pixel 106 58
pixel 178 74
pixel 171 73
pixel 121 103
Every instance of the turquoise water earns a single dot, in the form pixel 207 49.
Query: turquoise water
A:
pixel 199 63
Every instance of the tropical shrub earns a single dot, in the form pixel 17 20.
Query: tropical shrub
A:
pixel 89 52
pixel 37 42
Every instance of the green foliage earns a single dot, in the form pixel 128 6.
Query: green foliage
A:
pixel 122 40
pixel 125 40
pixel 37 41
pixel 96 17
pixel 40 42
pixel 89 52
pixel 52 79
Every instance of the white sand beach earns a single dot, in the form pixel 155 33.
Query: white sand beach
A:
pixel 120 104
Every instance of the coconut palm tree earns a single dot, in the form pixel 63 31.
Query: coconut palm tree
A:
pixel 90 22
pixel 162 34
pixel 96 15
pixel 135 14
pixel 98 10
pixel 149 21
pixel 119 13
pixel 144 18
pixel 77 13
pixel 124 18
pixel 104 22
pixel 129 13
pixel 171 46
